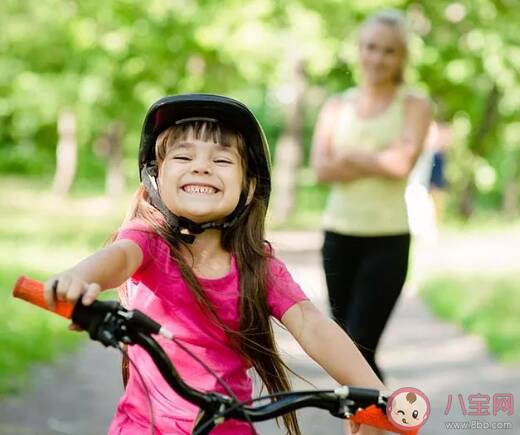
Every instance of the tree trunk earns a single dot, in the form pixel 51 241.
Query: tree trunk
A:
pixel 467 201
pixel 289 148
pixel 510 205
pixel 511 191
pixel 110 146
pixel 66 154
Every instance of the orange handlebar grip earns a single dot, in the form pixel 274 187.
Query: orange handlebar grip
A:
pixel 31 291
pixel 373 416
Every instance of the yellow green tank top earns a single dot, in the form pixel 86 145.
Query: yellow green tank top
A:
pixel 368 206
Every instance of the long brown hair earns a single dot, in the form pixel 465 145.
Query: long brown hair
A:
pixel 254 340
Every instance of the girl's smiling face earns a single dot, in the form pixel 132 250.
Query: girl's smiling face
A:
pixel 201 180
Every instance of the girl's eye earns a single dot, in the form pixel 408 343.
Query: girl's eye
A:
pixel 184 158
pixel 225 161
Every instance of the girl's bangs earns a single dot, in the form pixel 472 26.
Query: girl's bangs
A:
pixel 206 131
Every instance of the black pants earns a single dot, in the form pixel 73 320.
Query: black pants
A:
pixel 364 277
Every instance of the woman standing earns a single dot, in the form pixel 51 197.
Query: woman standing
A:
pixel 365 144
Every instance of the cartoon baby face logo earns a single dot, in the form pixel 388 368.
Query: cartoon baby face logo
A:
pixel 408 408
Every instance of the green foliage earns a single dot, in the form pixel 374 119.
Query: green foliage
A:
pixel 484 305
pixel 109 60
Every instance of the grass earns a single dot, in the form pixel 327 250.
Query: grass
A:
pixel 41 235
pixel 488 306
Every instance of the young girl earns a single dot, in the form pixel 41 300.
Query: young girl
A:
pixel 193 249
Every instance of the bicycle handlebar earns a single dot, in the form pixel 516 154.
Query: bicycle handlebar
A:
pixel 111 324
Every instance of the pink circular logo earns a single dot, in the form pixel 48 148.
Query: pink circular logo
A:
pixel 408 408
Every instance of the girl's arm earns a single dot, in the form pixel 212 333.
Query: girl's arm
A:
pixel 327 166
pixel 327 344
pixel 107 268
pixel 397 161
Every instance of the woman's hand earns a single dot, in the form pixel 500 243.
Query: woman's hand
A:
pixel 69 286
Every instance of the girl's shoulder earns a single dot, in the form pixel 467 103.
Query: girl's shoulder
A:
pixel 275 266
pixel 152 245
pixel 139 231
pixel 136 224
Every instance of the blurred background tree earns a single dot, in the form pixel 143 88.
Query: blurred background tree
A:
pixel 106 62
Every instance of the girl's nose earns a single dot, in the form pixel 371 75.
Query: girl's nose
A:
pixel 201 166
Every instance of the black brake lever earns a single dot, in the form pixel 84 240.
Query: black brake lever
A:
pixel 101 321
pixel 109 322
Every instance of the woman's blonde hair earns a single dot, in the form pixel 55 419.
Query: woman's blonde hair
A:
pixel 395 19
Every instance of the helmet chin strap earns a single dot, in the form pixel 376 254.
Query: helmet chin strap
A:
pixel 183 227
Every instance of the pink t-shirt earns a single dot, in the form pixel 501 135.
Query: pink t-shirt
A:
pixel 158 289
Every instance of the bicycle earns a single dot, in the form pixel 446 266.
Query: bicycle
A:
pixel 115 326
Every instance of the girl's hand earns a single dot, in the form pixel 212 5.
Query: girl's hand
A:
pixel 68 286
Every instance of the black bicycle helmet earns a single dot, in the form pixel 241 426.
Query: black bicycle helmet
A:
pixel 195 107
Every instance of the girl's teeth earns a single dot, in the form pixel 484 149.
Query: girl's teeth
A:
pixel 199 189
